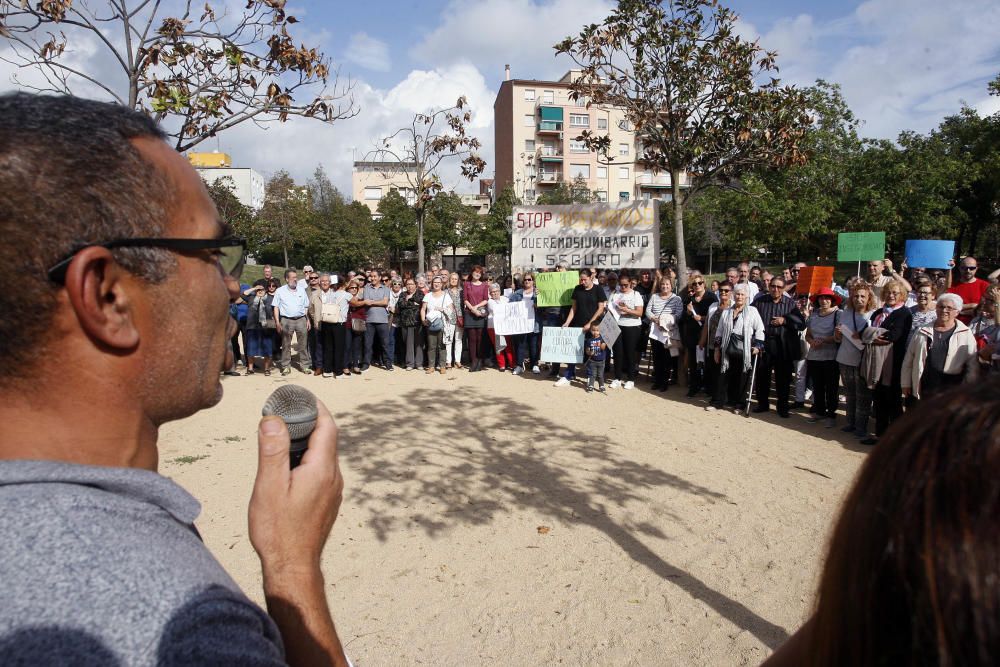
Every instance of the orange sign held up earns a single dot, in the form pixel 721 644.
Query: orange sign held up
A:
pixel 814 278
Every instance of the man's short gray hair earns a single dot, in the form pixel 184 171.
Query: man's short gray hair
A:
pixel 954 299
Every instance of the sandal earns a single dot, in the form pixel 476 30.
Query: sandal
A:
pixel 267 373
pixel 250 371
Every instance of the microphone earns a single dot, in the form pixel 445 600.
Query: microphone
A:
pixel 297 408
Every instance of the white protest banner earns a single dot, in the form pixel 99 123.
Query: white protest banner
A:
pixel 605 235
pixel 510 319
pixel 562 345
pixel 610 330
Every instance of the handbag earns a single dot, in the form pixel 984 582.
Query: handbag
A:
pixel 358 326
pixel 735 346
pixel 330 314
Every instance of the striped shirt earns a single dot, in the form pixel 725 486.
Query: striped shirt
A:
pixel 768 310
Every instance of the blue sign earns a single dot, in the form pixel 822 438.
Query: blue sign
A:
pixel 562 346
pixel 929 254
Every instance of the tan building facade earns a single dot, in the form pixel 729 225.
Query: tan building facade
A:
pixel 536 125
pixel 370 181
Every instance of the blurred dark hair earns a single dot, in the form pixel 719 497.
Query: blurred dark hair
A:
pixel 70 176
pixel 913 572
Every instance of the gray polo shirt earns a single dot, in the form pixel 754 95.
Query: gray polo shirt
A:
pixel 377 314
pixel 103 566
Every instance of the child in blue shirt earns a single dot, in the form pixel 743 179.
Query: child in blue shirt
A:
pixel 596 351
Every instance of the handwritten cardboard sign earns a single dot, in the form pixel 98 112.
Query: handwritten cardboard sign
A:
pixel 511 319
pixel 562 346
pixel 610 331
pixel 556 288
pixel 814 278
pixel 860 246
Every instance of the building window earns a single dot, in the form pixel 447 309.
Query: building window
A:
pixel 577 146
pixel 623 172
pixel 547 96
pixel 602 173
pixel 602 195
pixel 623 149
pixel 373 193
pixel 529 145
pixel 529 95
pixel 578 170
pixel 624 125
pixel 529 120
pixel 602 123
pixel 579 120
pixel 580 101
pixel 622 196
pixel 529 196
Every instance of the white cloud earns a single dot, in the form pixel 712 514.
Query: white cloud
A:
pixel 368 52
pixel 902 64
pixel 492 33
pixel 299 145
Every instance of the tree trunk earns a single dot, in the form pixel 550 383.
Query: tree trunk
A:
pixel 675 190
pixel 420 240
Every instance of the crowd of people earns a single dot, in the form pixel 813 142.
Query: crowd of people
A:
pixel 884 341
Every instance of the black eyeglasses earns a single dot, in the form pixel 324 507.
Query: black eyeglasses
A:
pixel 232 250
pixel 969 268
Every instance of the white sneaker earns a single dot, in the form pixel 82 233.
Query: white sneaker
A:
pixel 630 385
pixel 328 375
pixel 616 384
pixel 518 370
pixel 562 382
pixel 536 370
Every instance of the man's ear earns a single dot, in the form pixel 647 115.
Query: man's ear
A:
pixel 102 298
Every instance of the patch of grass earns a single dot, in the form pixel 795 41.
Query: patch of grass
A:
pixel 189 459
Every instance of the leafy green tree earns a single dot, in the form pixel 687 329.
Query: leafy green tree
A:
pixel 283 221
pixel 689 86
pixel 575 192
pixel 241 218
pixel 396 226
pixel 447 221
pixel 490 234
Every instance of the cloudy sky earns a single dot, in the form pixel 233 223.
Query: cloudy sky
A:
pixel 903 64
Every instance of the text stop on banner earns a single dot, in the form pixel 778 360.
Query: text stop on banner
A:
pixel 598 236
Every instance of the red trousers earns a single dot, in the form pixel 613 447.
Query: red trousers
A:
pixel 505 358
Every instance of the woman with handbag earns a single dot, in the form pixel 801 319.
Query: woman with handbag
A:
pixel 260 327
pixel 739 338
pixel 331 308
pixel 455 328
pixel 475 296
pixel 355 330
pixel 528 346
pixel 408 311
pixel 432 314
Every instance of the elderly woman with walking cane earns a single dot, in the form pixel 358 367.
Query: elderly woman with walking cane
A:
pixel 738 341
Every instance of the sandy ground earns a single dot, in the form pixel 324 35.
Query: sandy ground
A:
pixel 490 519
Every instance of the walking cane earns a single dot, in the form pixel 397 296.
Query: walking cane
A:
pixel 753 377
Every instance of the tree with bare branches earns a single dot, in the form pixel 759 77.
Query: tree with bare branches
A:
pixel 700 98
pixel 415 154
pixel 198 72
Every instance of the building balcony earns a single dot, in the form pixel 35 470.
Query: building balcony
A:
pixel 550 154
pixel 550 127
pixel 657 181
pixel 549 177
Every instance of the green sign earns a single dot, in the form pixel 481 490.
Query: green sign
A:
pixel 556 288
pixel 860 246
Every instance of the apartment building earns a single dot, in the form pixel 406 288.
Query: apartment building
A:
pixel 370 181
pixel 536 125
pixel 247 184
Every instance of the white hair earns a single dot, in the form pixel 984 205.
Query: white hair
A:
pixel 742 287
pixel 956 300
